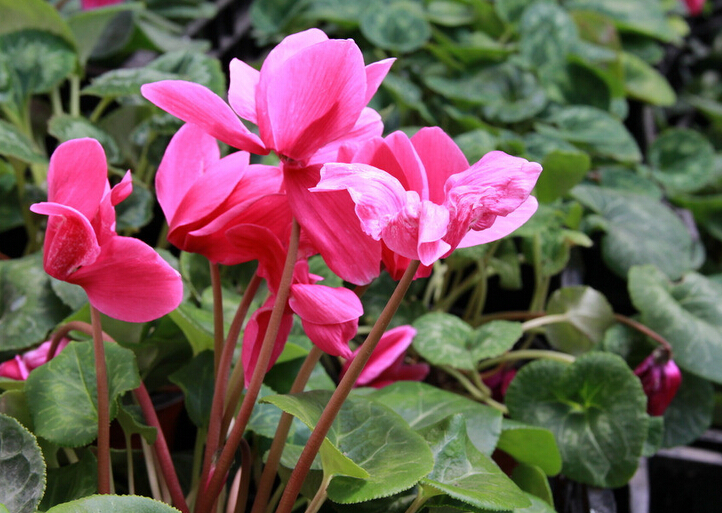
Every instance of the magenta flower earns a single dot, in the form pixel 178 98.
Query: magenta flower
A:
pixel 660 379
pixel 86 5
pixel 420 197
pixel 694 7
pixel 123 277
pixel 203 196
pixel 386 365
pixel 310 92
pixel 19 367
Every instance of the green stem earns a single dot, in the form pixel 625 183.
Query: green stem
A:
pixel 207 496
pixel 543 321
pixel 201 435
pixel 99 109
pixel 129 463
pixel 644 330
pixel 527 354
pixel 342 391
pixel 466 383
pixel 101 374
pixel 321 495
pixel 75 95
pixel 418 502
pixel 56 102
pixel 541 281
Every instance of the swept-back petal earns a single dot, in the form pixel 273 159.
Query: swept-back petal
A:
pixel 242 89
pixel 329 221
pixel 78 175
pixel 315 97
pixel 332 338
pixel 393 344
pixel 70 241
pixel 195 103
pixel 375 74
pixel 503 225
pixel 129 281
pixel 324 305
pixel 190 151
pixel 441 158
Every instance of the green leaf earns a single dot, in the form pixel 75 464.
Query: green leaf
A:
pixel 13 143
pixel 589 315
pixel 690 412
pixel 88 26
pixel 463 473
pixel 687 313
pixel 21 466
pixel 28 307
pixel 41 60
pixel 196 379
pixel 449 13
pixel 596 409
pixel 476 143
pixel 136 210
pixel 62 394
pixel 72 481
pixel 644 83
pixel 444 339
pixel 33 14
pixel 628 180
pixel 562 171
pixel 114 503
pixel 194 67
pixel 65 127
pixel 639 230
pixel 14 404
pixel 532 445
pixel 130 418
pixel 423 405
pixel 196 325
pixel 370 435
pixel 546 34
pixel 532 480
pixel 514 94
pixel 681 160
pixel 400 26
pixel 124 82
pixel 644 17
pixel 593 130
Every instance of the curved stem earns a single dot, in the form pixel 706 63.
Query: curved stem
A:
pixel 527 354
pixel 538 322
pixel 101 374
pixel 206 497
pixel 645 330
pixel 66 328
pixel 341 393
pixel 321 495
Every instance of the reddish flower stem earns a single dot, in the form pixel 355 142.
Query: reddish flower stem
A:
pixel 246 466
pixel 215 425
pixel 342 391
pixel 101 374
pixel 207 496
pixel 217 315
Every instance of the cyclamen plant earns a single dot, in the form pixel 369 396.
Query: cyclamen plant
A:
pixel 367 204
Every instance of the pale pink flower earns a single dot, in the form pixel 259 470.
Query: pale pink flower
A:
pixel 19 368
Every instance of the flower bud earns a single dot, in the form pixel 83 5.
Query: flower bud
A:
pixel 660 378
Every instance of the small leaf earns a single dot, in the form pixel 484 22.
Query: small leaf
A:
pixel 422 405
pixel 114 503
pixel 72 481
pixel 688 314
pixel 642 82
pixel 62 394
pixel 130 418
pixel 196 379
pixel 449 13
pixel 88 26
pixel 21 466
pixel 562 171
pixel 532 445
pixel 14 143
pixel 589 315
pixel 546 34
pixel 400 26
pixel 443 339
pixel 463 473
pixel 596 409
pixel 192 66
pixel 681 160
pixel 196 325
pixel 65 127
pixel 124 82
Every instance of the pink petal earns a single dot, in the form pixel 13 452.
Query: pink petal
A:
pixel 14 369
pixel 197 104
pixel 313 98
pixel 368 125
pixel 289 46
pixel 122 189
pixel 259 243
pixel 77 175
pixel 70 241
pixel 393 344
pixel 130 281
pixel 324 305
pixel 396 156
pixel 396 265
pixel 375 74
pixel 187 155
pixel 328 219
pixel 441 158
pixel 242 90
pixel 254 333
pixel 332 338
pixel 503 225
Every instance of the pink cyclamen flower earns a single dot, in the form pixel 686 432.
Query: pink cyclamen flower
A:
pixel 86 5
pixel 420 197
pixel 499 382
pixel 694 7
pixel 19 367
pixel 309 92
pixel 122 276
pixel 386 365
pixel 660 379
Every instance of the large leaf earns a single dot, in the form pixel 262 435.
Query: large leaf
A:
pixel 639 230
pixel 546 34
pixel 114 503
pixel 588 314
pixel 71 482
pixel 463 473
pixel 21 466
pixel 688 314
pixel 532 445
pixel 682 160
pixel 593 130
pixel 196 379
pixel 370 435
pixel 423 405
pixel 596 409
pixel 33 14
pixel 641 16
pixel 690 412
pixel 28 307
pixel 62 394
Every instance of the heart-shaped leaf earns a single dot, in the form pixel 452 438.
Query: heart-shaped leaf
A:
pixel 463 473
pixel 369 434
pixel 62 394
pixel 532 445
pixel 423 405
pixel 400 26
pixel 596 409
pixel 21 466
pixel 562 171
pixel 681 160
pixel 114 503
pixel 643 82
